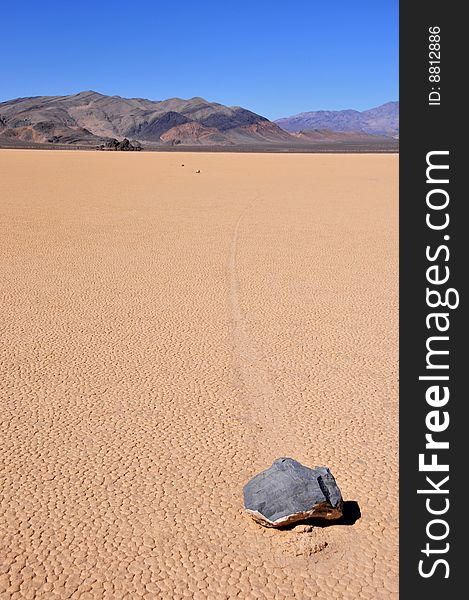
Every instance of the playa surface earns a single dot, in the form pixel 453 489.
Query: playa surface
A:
pixel 166 335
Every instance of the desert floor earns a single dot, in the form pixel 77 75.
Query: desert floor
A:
pixel 165 336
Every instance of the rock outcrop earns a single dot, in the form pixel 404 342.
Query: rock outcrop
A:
pixel 125 145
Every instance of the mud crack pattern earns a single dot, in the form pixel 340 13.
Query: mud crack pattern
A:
pixel 165 336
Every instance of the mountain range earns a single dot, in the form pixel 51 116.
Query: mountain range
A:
pixel 382 120
pixel 93 119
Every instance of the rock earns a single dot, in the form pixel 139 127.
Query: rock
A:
pixel 303 529
pixel 182 165
pixel 137 146
pixel 198 171
pixel 125 146
pixel 288 492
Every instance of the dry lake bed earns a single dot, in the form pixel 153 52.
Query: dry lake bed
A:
pixel 167 334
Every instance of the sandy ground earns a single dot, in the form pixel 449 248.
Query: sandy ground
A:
pixel 165 336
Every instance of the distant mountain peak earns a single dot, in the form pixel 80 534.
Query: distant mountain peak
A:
pixel 381 120
pixel 86 93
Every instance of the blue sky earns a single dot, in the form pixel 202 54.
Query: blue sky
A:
pixel 275 58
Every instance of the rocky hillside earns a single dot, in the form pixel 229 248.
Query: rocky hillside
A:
pixel 93 119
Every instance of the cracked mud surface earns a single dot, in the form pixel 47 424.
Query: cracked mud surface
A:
pixel 166 336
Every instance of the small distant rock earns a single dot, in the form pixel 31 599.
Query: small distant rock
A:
pixel 182 165
pixel 288 492
pixel 198 171
pixel 304 529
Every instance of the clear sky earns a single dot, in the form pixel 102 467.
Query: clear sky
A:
pixel 276 58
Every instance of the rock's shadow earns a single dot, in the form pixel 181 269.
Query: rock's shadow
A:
pixel 351 514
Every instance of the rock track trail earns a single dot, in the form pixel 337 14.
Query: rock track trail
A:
pixel 165 336
pixel 263 406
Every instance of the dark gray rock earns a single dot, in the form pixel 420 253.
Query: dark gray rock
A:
pixel 288 492
pixel 124 146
